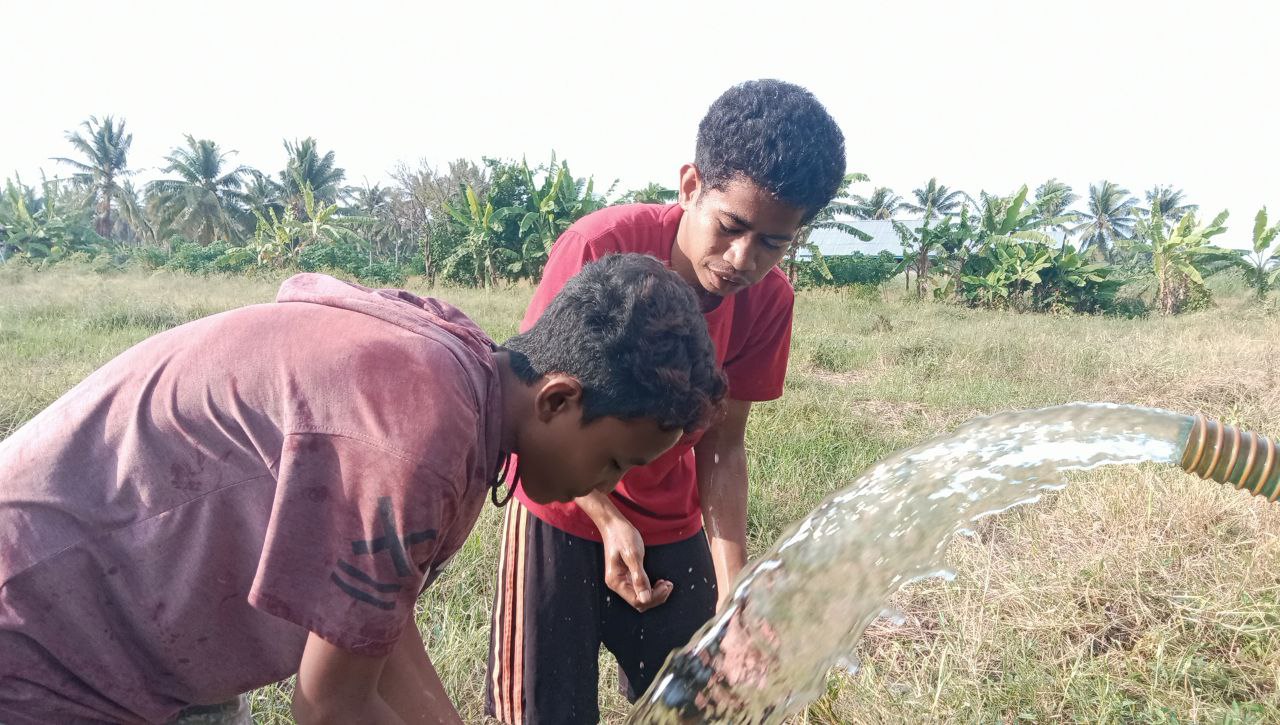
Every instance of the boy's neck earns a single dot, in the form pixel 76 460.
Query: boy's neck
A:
pixel 680 261
pixel 515 398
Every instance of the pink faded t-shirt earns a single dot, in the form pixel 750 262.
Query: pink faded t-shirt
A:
pixel 172 527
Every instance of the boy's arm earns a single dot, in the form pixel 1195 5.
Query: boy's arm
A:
pixel 623 554
pixel 411 686
pixel 335 685
pixel 720 459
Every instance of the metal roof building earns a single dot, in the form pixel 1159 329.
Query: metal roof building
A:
pixel 836 243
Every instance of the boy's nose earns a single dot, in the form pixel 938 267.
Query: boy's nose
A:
pixel 739 255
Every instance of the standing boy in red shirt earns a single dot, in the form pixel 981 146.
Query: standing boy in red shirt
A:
pixel 633 570
pixel 267 491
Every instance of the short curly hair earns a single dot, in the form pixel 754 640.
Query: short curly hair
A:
pixel 778 136
pixel 630 330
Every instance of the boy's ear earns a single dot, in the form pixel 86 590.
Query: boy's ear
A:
pixel 557 394
pixel 690 186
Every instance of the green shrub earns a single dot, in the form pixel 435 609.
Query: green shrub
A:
pixel 382 274
pixel 340 256
pixel 847 270
pixel 195 258
pixel 147 257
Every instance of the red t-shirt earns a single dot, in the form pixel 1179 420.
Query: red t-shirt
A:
pixel 173 527
pixel 752 335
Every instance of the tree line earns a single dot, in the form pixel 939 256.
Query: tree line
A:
pixel 493 222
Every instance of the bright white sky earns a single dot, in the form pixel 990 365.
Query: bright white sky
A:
pixel 983 95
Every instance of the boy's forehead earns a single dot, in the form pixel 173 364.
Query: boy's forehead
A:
pixel 750 204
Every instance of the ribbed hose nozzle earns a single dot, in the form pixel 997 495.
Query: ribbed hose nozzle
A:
pixel 1227 454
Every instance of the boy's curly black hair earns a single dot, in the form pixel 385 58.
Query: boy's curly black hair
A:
pixel 631 332
pixel 777 135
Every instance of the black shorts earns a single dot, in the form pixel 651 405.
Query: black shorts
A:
pixel 552 612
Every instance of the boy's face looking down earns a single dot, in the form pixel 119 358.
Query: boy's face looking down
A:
pixel 614 371
pixel 562 459
pixel 730 238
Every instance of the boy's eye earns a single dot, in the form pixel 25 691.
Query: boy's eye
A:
pixel 729 230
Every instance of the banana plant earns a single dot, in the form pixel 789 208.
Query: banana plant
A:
pixel 990 289
pixel 1259 265
pixel 42 226
pixel 1014 271
pixel 957 242
pixel 279 237
pixel 273 239
pixel 550 208
pixel 918 248
pixel 539 221
pixel 971 249
pixel 480 238
pixel 947 242
pixel 1073 282
pixel 1010 218
pixel 1179 256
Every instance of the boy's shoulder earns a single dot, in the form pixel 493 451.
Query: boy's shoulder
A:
pixel 644 228
pixel 408 348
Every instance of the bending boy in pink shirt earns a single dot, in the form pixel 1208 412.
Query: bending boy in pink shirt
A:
pixel 267 491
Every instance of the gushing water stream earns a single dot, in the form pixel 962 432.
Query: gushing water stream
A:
pixel 800 609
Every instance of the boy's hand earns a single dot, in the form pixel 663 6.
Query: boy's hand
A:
pixel 624 567
pixel 623 554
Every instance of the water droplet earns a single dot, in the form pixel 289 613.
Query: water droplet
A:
pixel 849 663
pixel 894 615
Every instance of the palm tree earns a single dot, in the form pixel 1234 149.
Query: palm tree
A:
pixel 1110 216
pixel 137 213
pixel 259 195
pixel 652 193
pixel 372 209
pixel 882 203
pixel 936 199
pixel 105 146
pixel 369 200
pixel 1053 200
pixel 1169 202
pixel 307 167
pixel 203 202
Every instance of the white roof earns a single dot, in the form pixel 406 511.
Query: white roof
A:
pixel 837 243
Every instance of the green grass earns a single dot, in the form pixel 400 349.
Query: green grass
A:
pixel 1137 594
